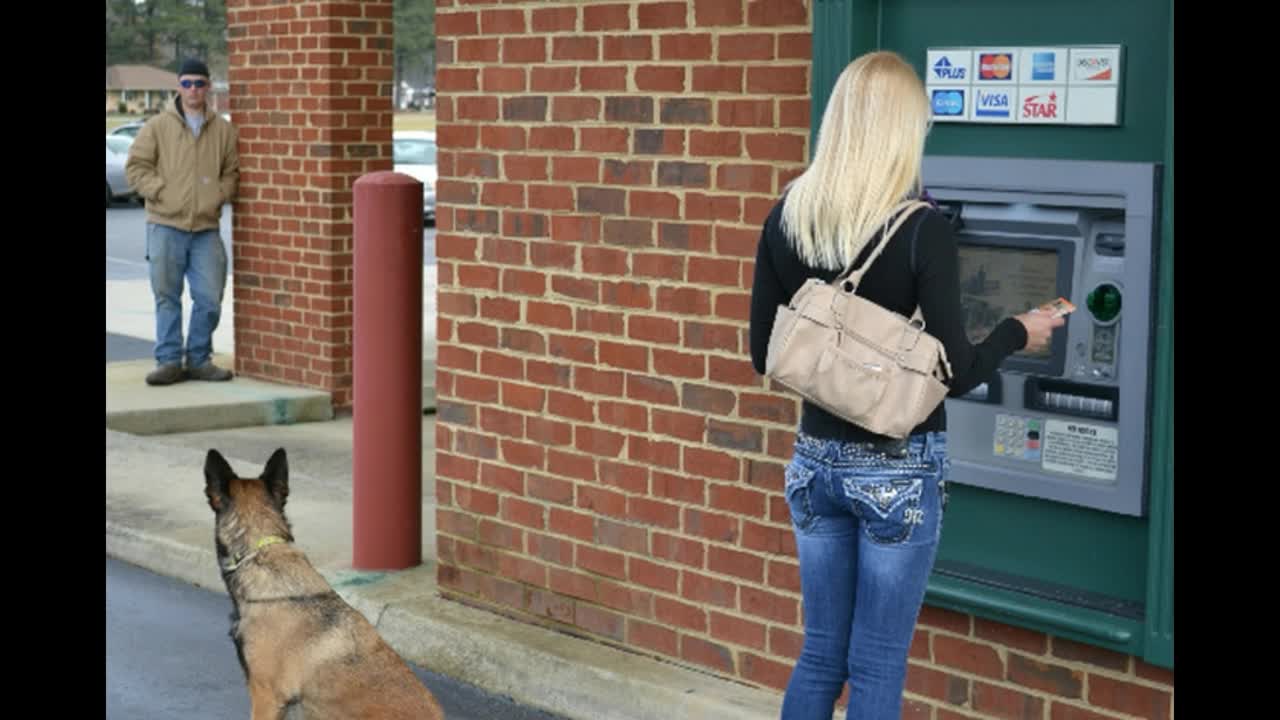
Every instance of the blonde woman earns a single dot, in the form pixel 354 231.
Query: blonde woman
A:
pixel 866 509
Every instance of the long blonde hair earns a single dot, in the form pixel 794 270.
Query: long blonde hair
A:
pixel 867 161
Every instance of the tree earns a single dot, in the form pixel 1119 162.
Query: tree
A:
pixel 415 38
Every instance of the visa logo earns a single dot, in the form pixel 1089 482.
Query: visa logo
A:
pixel 993 104
pixel 944 70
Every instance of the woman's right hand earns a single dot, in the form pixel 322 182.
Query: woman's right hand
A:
pixel 1039 329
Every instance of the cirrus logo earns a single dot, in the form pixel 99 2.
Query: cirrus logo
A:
pixel 949 103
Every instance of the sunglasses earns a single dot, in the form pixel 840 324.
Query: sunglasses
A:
pixel 189 83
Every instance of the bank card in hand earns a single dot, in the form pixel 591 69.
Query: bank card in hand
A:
pixel 1057 308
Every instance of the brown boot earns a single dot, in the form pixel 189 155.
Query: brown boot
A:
pixel 166 374
pixel 209 372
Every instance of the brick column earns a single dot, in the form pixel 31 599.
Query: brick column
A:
pixel 311 95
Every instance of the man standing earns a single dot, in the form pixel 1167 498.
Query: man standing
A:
pixel 185 164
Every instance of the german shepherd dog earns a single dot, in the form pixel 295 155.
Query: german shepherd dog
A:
pixel 298 641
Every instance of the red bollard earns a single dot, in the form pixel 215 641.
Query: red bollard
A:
pixel 387 385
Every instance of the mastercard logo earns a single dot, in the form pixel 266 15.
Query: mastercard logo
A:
pixel 995 66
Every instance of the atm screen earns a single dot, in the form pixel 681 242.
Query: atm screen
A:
pixel 998 282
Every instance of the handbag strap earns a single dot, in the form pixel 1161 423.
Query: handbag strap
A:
pixel 856 277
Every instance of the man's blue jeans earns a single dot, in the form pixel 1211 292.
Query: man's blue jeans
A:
pixel 199 258
pixel 867 527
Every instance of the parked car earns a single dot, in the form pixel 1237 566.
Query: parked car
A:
pixel 129 129
pixel 117 154
pixel 413 153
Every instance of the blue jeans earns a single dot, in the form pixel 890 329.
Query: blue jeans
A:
pixel 200 258
pixel 867 527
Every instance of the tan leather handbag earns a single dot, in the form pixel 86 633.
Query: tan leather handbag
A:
pixel 852 357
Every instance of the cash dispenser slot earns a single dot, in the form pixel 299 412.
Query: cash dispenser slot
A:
pixel 1064 397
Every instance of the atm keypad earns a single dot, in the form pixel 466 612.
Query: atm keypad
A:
pixel 1018 437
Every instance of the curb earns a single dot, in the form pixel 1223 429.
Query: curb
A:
pixel 536 666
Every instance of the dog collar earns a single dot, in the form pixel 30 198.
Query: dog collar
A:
pixel 238 561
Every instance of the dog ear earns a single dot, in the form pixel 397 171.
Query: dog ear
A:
pixel 217 477
pixel 276 476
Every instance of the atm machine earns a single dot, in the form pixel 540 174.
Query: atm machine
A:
pixel 1070 424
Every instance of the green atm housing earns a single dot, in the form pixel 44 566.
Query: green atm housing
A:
pixel 1021 545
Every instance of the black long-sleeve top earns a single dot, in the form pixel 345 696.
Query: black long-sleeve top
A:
pixel 934 285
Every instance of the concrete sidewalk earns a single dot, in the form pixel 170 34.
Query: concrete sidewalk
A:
pixel 158 518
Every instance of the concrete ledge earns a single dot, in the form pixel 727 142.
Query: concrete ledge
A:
pixel 137 408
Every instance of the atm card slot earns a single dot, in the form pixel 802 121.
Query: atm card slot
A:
pixel 1071 398
pixel 989 392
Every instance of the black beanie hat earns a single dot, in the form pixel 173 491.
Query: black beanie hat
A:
pixel 191 66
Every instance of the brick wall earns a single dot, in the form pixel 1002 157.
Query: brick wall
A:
pixel 608 462
pixel 311 95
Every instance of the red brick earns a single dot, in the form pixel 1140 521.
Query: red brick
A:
pixel 602 78
pixel 595 441
pixel 1061 711
pixel 679 487
pixel 793 113
pixel 990 700
pixel 631 478
pixel 553 79
pixel 575 48
pixel 550 489
pixel 663 15
pixel 522 454
pixel 477 50
pixel 1029 641
pixel 777 12
pixel 574 348
pixel 628 47
pixel 970 657
pixel 654 452
pixel 695 238
pixel 572 584
pixel 778 80
pixel 603 501
pixel 621 536
pixel 604 140
pixel 1079 652
pixel 551 549
pixel 706 653
pixel 550 138
pixel 606 17
pixel 709 13
pixel 1050 678
pixel 574 524
pixel 523 512
pixel 522 51
pixel 717 78
pixel 568 228
pixel 682 550
pixel 713 526
pixel 684 46
pixel 706 589
pixel 772 673
pixel 660 78
pixel 457 23
pixel 1127 697
pixel 943 619
pixel 749 46
pixel 653 512
pixel 503 80
pixel 784 575
pixel 576 466
pixel 601 562
pixel 737 631
pixel 653 637
pixel 502 22
pixel 783 147
pixel 679 614
pixel 598 382
pixel 476 501
pixel 938 685
pixel 559 19
pixel 627 599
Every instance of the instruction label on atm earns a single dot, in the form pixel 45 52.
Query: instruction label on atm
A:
pixel 1073 448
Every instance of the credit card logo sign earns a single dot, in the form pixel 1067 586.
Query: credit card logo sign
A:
pixel 997 104
pixel 944 70
pixel 1042 66
pixel 948 103
pixel 1093 67
pixel 1043 107
pixel 995 66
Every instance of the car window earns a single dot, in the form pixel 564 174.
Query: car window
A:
pixel 127 130
pixel 119 144
pixel 413 152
